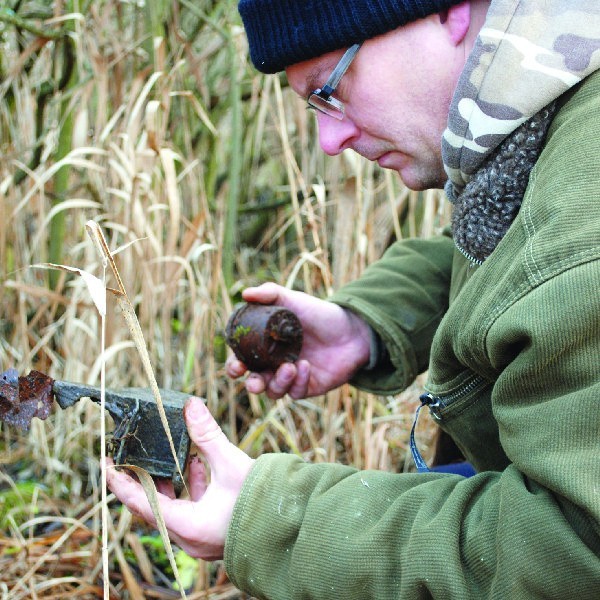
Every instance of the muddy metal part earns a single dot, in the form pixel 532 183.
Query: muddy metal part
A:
pixel 264 336
pixel 138 438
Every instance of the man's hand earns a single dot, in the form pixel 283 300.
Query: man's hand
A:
pixel 336 344
pixel 199 525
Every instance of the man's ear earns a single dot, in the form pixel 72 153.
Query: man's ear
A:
pixel 457 20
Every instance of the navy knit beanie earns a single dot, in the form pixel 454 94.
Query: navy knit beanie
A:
pixel 284 32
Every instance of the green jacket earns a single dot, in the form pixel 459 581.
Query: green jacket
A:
pixel 513 353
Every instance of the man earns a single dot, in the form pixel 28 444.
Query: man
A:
pixel 498 102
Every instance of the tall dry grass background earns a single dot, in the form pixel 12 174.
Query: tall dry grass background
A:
pixel 149 119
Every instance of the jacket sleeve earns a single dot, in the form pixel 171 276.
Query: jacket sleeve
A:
pixel 403 297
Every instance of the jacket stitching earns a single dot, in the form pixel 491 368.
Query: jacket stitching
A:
pixel 530 232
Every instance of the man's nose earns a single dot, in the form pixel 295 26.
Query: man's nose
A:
pixel 335 136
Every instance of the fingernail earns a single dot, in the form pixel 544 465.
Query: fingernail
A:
pixel 193 409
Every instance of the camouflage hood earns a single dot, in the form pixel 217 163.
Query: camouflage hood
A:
pixel 528 53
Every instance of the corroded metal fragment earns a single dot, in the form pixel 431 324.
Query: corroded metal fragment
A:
pixel 139 437
pixel 264 336
pixel 22 398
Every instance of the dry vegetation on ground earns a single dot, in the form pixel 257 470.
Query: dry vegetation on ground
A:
pixel 149 119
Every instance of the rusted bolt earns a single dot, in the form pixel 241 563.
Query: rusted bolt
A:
pixel 264 336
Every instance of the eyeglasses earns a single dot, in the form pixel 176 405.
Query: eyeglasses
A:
pixel 322 98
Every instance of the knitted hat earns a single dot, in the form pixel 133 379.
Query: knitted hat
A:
pixel 284 32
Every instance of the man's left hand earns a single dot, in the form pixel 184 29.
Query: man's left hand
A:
pixel 198 525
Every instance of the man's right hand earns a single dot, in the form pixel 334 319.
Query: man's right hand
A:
pixel 336 344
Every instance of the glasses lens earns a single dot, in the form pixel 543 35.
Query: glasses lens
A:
pixel 330 106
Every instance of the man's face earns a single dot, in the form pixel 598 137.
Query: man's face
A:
pixel 396 94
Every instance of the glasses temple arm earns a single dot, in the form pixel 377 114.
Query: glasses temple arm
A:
pixel 340 69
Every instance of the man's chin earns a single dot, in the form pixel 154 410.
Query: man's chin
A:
pixel 418 183
pixel 414 178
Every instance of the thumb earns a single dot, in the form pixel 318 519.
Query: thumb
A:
pixel 205 432
pixel 267 293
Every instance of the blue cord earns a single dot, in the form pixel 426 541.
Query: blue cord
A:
pixel 419 462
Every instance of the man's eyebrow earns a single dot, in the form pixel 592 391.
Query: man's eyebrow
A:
pixel 313 80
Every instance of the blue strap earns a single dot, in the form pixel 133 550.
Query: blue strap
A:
pixel 419 462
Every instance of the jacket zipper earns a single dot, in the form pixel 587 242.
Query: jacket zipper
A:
pixel 474 261
pixel 435 404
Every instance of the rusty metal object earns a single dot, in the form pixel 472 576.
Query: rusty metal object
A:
pixel 264 336
pixel 138 437
pixel 22 398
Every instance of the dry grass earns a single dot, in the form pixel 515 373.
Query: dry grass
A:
pixel 208 176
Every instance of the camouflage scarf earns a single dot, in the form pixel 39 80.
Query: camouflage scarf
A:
pixel 490 201
pixel 528 54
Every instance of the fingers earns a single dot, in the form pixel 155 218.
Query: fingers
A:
pixel 130 492
pixel 132 495
pixel 282 381
pixel 299 387
pixel 165 486
pixel 235 368
pixel 200 533
pixel 292 379
pixel 257 384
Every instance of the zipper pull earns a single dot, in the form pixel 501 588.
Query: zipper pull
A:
pixel 426 400
pixel 434 403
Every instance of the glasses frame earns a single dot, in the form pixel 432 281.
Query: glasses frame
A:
pixel 322 99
